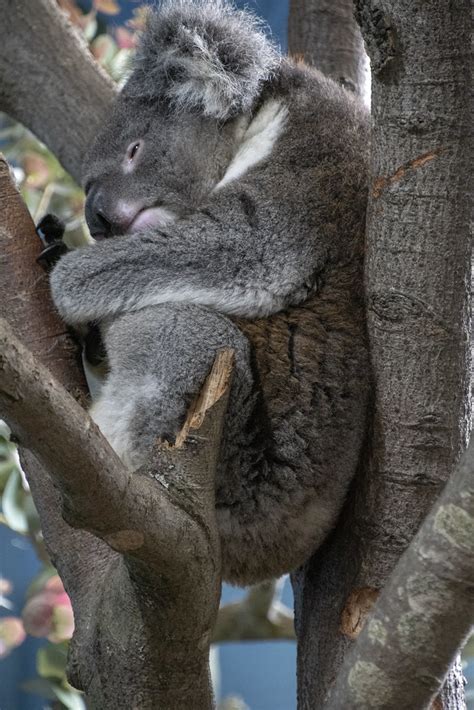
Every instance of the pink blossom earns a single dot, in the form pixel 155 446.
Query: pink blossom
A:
pixel 12 634
pixel 124 38
pixel 48 613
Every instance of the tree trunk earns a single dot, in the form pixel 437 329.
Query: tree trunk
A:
pixel 142 542
pixel 325 34
pixel 424 612
pixel 419 194
pixel 417 281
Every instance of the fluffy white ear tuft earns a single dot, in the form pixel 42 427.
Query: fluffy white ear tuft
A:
pixel 205 55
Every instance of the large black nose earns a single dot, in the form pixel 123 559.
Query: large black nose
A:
pixel 97 216
pixel 105 215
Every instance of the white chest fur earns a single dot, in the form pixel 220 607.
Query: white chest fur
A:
pixel 258 140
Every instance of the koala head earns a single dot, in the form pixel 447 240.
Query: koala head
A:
pixel 198 72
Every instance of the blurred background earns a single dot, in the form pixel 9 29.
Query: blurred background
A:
pixel 35 614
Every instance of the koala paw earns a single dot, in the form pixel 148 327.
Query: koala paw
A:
pixel 72 287
pixel 50 230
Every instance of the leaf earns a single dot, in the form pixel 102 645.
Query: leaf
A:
pixel 140 15
pixel 104 49
pixel 51 661
pixel 70 698
pixel 37 170
pixel 5 431
pixel 12 634
pixel 108 7
pixel 13 503
pixel 120 64
pixel 90 29
pixel 125 39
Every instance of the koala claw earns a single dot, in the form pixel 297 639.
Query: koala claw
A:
pixel 50 230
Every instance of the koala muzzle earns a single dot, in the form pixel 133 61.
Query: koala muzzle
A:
pixel 105 216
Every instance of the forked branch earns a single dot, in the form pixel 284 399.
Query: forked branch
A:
pixel 131 542
pixel 427 607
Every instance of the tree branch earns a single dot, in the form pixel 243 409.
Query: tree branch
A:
pixel 325 34
pixel 170 568
pixel 164 565
pixel 48 421
pixel 424 612
pixel 417 273
pixel 62 96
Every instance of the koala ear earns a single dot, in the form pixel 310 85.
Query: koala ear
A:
pixel 203 54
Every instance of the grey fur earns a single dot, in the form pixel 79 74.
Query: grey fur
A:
pixel 203 55
pixel 284 240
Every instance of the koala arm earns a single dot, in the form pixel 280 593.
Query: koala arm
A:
pixel 231 256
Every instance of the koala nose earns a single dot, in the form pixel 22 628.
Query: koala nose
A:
pixel 101 219
pixel 100 225
pixel 103 216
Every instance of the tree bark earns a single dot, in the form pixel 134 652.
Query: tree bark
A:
pixel 417 282
pixel 325 34
pixel 141 542
pixel 424 612
pixel 62 96
pixel 420 198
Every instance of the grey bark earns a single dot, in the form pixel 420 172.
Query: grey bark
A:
pixel 408 192
pixel 62 96
pixel 137 552
pixel 325 34
pixel 425 610
pixel 417 281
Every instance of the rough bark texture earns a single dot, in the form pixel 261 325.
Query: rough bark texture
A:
pixel 145 543
pixel 417 280
pixel 25 293
pixel 62 96
pixel 324 33
pixel 423 613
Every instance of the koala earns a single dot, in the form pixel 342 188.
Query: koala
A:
pixel 226 195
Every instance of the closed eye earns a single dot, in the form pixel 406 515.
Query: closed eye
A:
pixel 133 149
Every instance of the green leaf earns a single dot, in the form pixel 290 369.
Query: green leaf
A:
pixel 5 431
pixel 90 29
pixel 104 49
pixel 51 661
pixel 70 698
pixel 119 64
pixel 6 468
pixel 13 503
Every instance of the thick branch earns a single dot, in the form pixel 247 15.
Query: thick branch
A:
pixel 165 537
pixel 325 34
pixel 48 421
pixel 423 614
pixel 417 273
pixel 24 291
pixel 49 81
pixel 167 574
pixel 24 287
